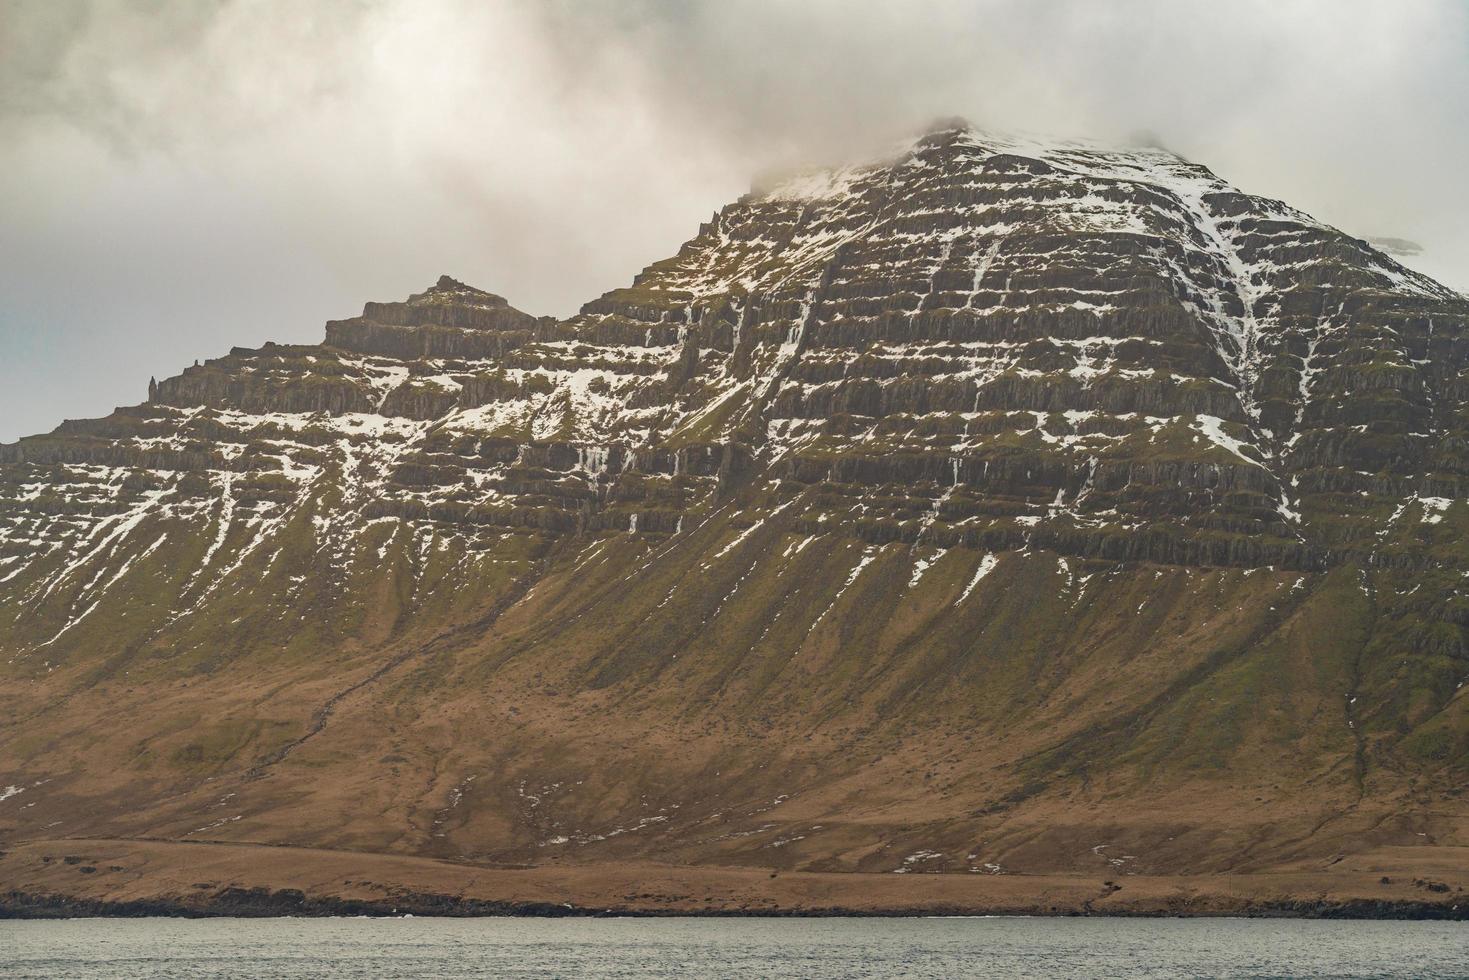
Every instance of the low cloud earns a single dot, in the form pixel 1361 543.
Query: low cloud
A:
pixel 180 177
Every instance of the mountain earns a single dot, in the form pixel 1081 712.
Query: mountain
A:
pixel 1041 513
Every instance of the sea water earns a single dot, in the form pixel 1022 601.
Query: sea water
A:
pixel 731 947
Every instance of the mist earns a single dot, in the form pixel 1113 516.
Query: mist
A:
pixel 178 178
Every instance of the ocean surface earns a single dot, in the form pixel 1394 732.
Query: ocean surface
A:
pixel 816 948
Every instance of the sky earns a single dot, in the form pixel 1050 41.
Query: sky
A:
pixel 177 178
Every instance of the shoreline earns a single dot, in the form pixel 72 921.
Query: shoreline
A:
pixel 16 906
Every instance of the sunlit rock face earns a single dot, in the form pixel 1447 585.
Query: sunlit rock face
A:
pixel 1099 374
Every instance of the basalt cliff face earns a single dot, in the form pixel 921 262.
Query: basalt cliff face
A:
pixel 1004 507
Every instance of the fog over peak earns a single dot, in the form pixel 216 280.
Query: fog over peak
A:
pixel 180 177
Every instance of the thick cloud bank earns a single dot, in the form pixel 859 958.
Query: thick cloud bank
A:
pixel 179 177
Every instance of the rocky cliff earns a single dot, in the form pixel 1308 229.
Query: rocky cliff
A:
pixel 1004 506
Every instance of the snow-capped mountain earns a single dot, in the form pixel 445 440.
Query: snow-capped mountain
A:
pixel 968 505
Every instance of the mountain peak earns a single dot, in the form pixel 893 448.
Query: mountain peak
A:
pixel 958 148
pixel 447 285
pixel 448 289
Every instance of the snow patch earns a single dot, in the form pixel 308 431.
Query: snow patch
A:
pixel 986 565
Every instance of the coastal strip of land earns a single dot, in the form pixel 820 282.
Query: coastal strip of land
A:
pixel 129 878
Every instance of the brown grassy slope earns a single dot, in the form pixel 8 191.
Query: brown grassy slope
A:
pixel 770 705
